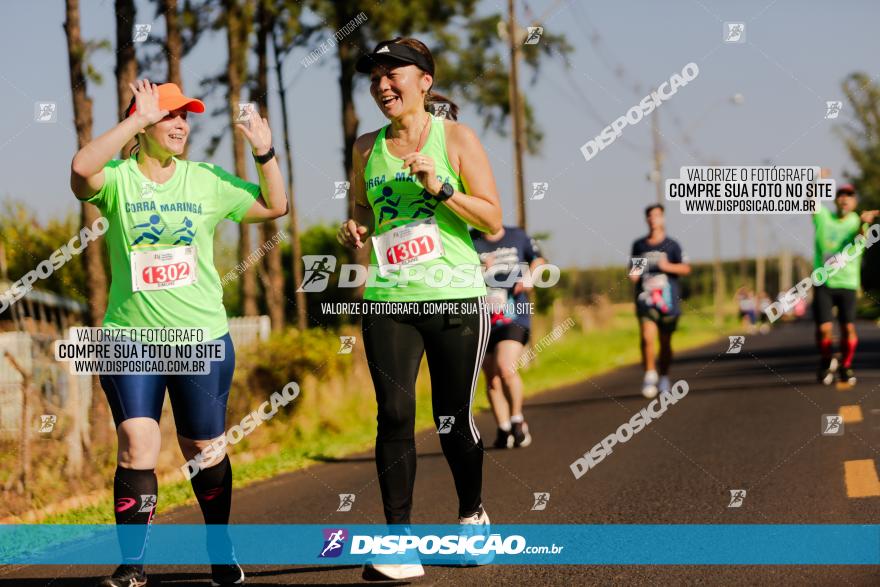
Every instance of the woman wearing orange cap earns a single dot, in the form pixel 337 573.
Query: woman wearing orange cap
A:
pixel 162 212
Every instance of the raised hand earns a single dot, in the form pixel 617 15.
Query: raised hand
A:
pixel 257 132
pixel 146 100
pixel 868 216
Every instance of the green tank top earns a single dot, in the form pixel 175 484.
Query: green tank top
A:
pixel 833 234
pixel 397 199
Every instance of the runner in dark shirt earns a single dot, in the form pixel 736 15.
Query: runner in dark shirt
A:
pixel 502 253
pixel 656 264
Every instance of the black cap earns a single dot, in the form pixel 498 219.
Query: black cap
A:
pixel 391 52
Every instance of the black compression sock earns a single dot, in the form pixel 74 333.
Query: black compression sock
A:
pixel 213 489
pixel 135 493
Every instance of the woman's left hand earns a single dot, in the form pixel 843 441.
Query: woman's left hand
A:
pixel 257 132
pixel 422 167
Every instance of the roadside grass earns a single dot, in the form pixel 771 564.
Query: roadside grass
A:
pixel 573 357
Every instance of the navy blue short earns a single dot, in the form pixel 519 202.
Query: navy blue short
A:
pixel 197 401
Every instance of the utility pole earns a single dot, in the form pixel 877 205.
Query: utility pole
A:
pixel 760 262
pixel 717 270
pixel 658 157
pixel 516 111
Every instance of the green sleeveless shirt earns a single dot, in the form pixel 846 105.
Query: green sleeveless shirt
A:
pixel 398 198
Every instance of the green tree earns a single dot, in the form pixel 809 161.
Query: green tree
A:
pixel 861 135
pixel 468 51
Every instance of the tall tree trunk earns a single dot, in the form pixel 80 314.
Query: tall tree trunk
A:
pixel 96 285
pixel 295 245
pixel 173 46
pixel 126 61
pixel 173 41
pixel 126 72
pixel 237 28
pixel 348 52
pixel 271 272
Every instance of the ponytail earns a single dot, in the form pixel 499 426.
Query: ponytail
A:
pixel 441 106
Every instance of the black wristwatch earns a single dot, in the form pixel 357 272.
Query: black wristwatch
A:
pixel 446 191
pixel 265 157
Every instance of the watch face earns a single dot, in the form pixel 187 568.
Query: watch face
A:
pixel 447 190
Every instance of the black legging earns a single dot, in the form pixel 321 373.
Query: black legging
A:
pixel 455 343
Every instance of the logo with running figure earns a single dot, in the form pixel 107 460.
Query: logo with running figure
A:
pixel 736 344
pixel 334 541
pixel 737 497
pixel 539 190
pixel 245 111
pixel 141 32
pixel 45 112
pixel 832 109
pixel 534 35
pixel 387 205
pixel 734 32
pixel 346 500
pixel 148 503
pixel 47 423
pixel 346 345
pixel 340 189
pixel 425 204
pixel 318 269
pixel 639 264
pixel 445 425
pixel 541 501
pixel 440 109
pixel 148 188
pixel 832 425
pixel 149 231
pixel 185 233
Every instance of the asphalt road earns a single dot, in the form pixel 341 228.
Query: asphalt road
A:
pixel 750 421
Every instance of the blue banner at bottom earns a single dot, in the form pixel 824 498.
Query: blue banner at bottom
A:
pixel 523 544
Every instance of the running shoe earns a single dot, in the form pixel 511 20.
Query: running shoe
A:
pixel 393 572
pixel 663 386
pixel 846 375
pixel 520 435
pixel 478 519
pixel 473 525
pixel 649 385
pixel 504 439
pixel 125 576
pixel 226 575
pixel 825 375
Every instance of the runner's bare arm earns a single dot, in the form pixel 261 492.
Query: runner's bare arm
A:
pixel 867 217
pixel 479 207
pixel 273 197
pixel 355 230
pixel 674 268
pixel 87 167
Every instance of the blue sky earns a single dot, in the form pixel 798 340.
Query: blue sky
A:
pixel 788 67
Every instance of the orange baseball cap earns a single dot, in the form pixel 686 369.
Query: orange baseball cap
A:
pixel 171 98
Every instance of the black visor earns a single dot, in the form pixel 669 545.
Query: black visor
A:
pixel 388 52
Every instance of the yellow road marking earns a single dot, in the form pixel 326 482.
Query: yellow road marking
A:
pixel 843 386
pixel 851 414
pixel 861 478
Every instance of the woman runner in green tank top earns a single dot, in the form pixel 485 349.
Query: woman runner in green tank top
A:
pixel 417 184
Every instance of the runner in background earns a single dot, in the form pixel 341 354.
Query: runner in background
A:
pixel 763 304
pixel 834 233
pixel 154 201
pixel 658 297
pixel 501 253
pixel 748 308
